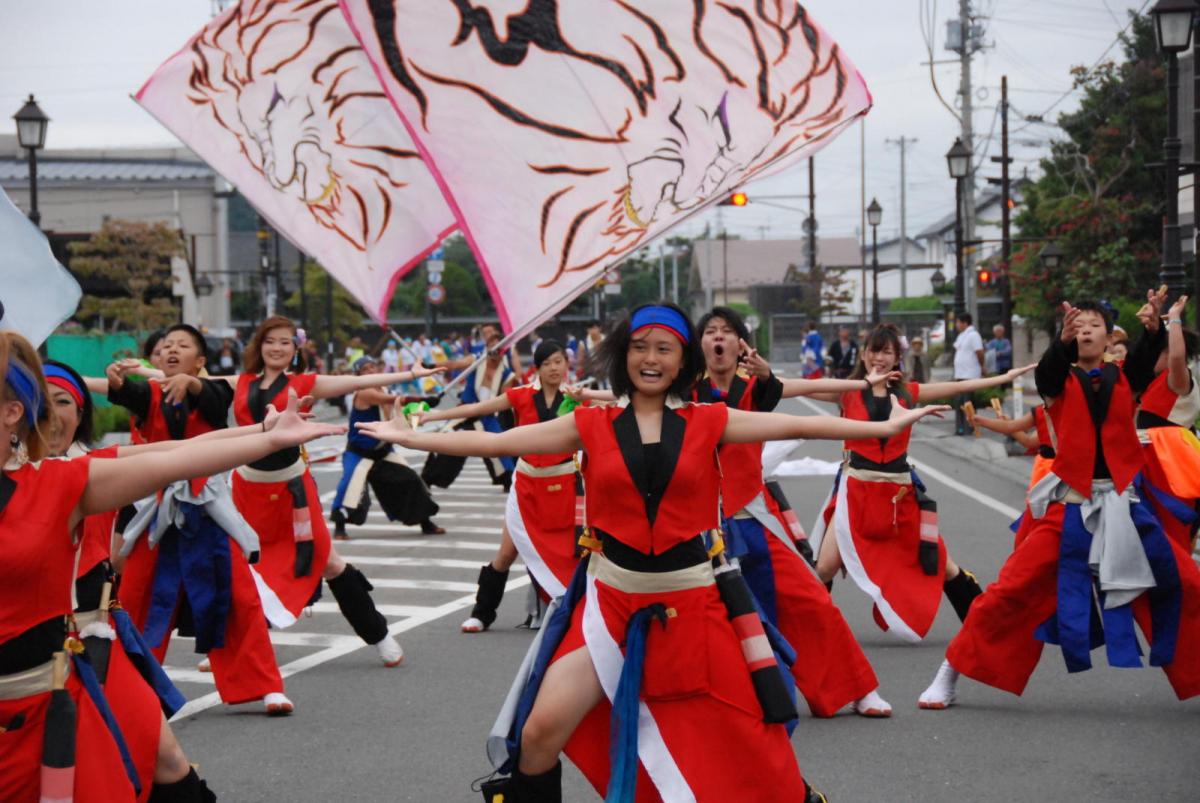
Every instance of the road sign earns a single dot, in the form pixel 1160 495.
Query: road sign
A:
pixel 752 322
pixel 437 254
pixel 434 269
pixel 436 294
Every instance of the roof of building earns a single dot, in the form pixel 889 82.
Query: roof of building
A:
pixel 118 170
pixel 985 200
pixel 754 262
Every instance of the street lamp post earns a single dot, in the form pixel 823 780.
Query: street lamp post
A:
pixel 874 217
pixel 958 160
pixel 31 135
pixel 1173 32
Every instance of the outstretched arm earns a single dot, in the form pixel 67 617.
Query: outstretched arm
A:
pixel 268 423
pixel 549 437
pixel 831 390
pixel 493 405
pixel 115 483
pixel 329 385
pixel 745 427
pixel 1006 426
pixel 944 390
pixel 1179 377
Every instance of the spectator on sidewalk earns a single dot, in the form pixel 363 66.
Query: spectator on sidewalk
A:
pixel 916 361
pixel 968 364
pixel 843 354
pixel 814 351
pixel 999 357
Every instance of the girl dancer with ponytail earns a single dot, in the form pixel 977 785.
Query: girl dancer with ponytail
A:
pixel 42 504
pixel 540 516
pixel 683 679
pixel 278 496
pixel 881 527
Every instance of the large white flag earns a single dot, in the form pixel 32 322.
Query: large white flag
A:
pixel 565 134
pixel 36 292
pixel 279 99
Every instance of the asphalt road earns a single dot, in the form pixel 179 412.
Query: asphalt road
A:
pixel 365 733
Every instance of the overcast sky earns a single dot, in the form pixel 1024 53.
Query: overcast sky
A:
pixel 83 58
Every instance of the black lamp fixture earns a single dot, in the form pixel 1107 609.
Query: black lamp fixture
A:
pixel 874 213
pixel 1051 256
pixel 937 281
pixel 1173 24
pixel 958 159
pixel 204 286
pixel 32 123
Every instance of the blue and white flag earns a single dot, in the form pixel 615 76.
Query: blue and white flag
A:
pixel 36 292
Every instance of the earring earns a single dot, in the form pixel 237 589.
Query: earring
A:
pixel 14 441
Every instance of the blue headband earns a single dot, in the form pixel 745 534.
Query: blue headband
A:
pixel 661 317
pixel 54 372
pixel 23 384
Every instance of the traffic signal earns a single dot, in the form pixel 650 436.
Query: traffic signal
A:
pixel 985 277
pixel 736 199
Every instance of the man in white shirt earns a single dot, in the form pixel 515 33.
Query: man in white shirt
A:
pixel 968 364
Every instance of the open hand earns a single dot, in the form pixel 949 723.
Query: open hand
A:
pixel 290 429
pixel 302 409
pixel 394 430
pixel 420 371
pixel 1070 327
pixel 1013 373
pixel 1176 310
pixel 891 377
pixel 901 418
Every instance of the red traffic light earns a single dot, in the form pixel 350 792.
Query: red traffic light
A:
pixel 736 199
pixel 985 277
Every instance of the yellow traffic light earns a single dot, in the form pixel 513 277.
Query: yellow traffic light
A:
pixel 739 199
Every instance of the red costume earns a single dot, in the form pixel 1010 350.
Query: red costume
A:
pixel 1165 422
pixel 831 669
pixel 541 505
pixel 881 530
pixel 279 498
pixel 1045 590
pixel 244 668
pixel 37 575
pixel 648 503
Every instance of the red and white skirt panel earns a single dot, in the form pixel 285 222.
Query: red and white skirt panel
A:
pixel 831 669
pixel 99 773
pixel 877 523
pixel 540 515
pixel 267 507
pixel 700 731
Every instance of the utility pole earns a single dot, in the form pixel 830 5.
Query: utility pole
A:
pixel 662 274
pixel 675 274
pixel 862 208
pixel 810 225
pixel 1005 212
pixel 968 45
pixel 300 270
pixel 903 142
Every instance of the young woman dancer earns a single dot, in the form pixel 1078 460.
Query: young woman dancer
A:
pixel 369 464
pixel 653 486
pixel 498 373
pixel 539 520
pixel 883 528
pixel 42 505
pixel 278 496
pixel 1047 590
pixel 831 670
pixel 229 620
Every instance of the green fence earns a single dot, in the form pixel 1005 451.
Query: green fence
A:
pixel 91 354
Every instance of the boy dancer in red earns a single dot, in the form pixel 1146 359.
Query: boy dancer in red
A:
pixel 1091 540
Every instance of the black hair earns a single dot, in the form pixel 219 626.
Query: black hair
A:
pixel 1191 344
pixel 545 350
pixel 1087 305
pixel 965 317
pixel 152 341
pixel 614 348
pixel 730 316
pixel 85 432
pixel 201 345
pixel 883 336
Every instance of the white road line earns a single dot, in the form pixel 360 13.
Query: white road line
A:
pixel 422 585
pixel 293 638
pixel 1007 511
pixel 425 563
pixel 179 675
pixel 398 611
pixel 430 542
pixel 332 653
pixel 391 528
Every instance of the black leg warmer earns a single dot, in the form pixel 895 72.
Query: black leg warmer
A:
pixel 544 788
pixel 339 522
pixel 491 591
pixel 814 795
pixel 962 591
pixel 188 789
pixel 353 595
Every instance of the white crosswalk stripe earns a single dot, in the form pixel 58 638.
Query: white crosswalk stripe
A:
pixel 417 579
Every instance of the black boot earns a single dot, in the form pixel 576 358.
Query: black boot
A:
pixel 962 591
pixel 339 526
pixel 544 788
pixel 487 598
pixel 188 789
pixel 352 592
pixel 430 527
pixel 813 795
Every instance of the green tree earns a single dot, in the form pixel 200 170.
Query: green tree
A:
pixel 133 259
pixel 347 314
pixel 462 293
pixel 1097 197
pixel 826 292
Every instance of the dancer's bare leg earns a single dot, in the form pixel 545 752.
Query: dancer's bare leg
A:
pixel 569 691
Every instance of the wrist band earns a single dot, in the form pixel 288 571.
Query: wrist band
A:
pixel 1175 320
